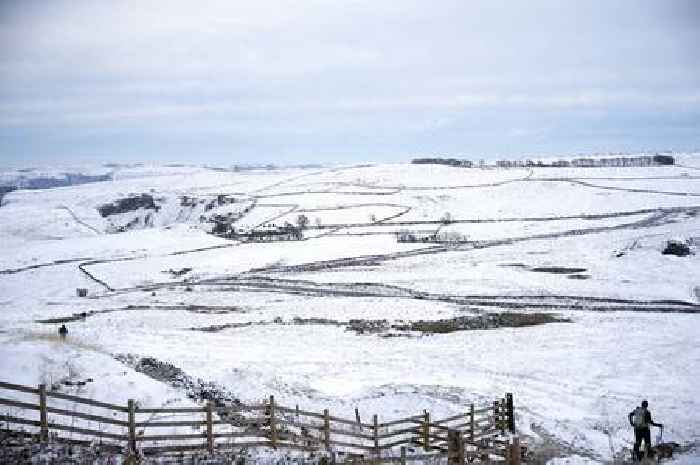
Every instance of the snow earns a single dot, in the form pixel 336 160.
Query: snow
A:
pixel 574 383
pixel 573 460
pixel 241 257
pixel 641 273
pixel 52 359
pixel 348 214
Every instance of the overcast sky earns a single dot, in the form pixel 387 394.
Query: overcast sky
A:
pixel 341 81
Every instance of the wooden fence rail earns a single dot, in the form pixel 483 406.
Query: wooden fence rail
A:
pixel 485 432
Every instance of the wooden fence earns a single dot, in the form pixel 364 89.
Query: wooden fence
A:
pixel 484 433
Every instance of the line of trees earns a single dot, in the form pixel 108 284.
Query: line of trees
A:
pixel 643 160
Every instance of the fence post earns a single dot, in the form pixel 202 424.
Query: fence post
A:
pixel 273 426
pixel 132 426
pixel 403 455
pixel 515 452
pixel 502 412
pixel 455 448
pixel 495 415
pixel 375 433
pixel 472 423
pixel 327 429
pixel 210 427
pixel 511 412
pixel 426 430
pixel 43 415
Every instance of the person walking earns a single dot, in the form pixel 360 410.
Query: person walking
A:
pixel 640 419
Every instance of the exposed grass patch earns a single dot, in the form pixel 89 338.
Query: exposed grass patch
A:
pixel 65 319
pixel 579 276
pixel 557 269
pixel 386 328
pixel 201 309
pixel 487 321
pixel 217 328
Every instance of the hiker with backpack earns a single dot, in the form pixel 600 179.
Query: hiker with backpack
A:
pixel 640 419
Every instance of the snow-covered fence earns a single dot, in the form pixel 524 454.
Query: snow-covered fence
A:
pixel 481 433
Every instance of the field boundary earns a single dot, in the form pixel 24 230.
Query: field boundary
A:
pixel 481 434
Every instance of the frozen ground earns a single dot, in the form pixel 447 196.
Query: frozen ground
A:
pixel 271 318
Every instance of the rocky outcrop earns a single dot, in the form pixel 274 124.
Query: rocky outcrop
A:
pixel 128 204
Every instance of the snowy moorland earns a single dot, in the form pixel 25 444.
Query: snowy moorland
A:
pixel 273 317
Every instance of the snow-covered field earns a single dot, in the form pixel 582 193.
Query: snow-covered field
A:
pixel 584 243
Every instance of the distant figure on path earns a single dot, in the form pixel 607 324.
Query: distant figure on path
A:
pixel 63 331
pixel 640 419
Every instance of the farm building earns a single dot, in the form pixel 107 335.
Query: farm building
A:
pixel 269 233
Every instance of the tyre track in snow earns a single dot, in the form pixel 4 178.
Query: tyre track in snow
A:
pixel 524 301
pixel 79 221
pixel 300 287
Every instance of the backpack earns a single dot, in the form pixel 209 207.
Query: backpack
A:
pixel 639 417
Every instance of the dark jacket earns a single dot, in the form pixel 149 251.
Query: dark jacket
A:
pixel 647 419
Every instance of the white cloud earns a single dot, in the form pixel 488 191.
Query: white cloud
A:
pixel 84 64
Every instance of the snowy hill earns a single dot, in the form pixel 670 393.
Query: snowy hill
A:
pixel 168 278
